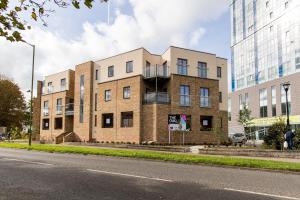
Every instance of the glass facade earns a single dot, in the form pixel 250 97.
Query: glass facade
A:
pixel 265 40
pixel 81 94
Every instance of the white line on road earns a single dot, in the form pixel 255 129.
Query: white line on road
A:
pixel 129 175
pixel 25 161
pixel 262 194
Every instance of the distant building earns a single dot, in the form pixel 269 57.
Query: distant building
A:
pixel 128 98
pixel 265 45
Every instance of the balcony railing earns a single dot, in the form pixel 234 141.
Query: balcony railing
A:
pixel 159 97
pixel 59 109
pixel 69 109
pixel 46 111
pixel 205 102
pixel 157 71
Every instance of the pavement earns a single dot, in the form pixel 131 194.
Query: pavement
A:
pixel 30 175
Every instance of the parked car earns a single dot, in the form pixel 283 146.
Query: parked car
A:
pixel 238 138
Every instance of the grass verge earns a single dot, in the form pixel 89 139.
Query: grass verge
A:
pixel 154 155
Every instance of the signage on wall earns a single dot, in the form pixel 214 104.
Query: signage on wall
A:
pixel 178 122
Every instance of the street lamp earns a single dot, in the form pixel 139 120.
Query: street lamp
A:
pixel 286 87
pixel 31 92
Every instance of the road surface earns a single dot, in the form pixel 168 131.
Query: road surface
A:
pixel 30 175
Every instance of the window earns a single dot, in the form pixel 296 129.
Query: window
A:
pixel 81 96
pixel 126 119
pixel 107 95
pixel 110 71
pixel 182 66
pixel 241 103
pixel 273 93
pixel 286 4
pixel 58 123
pixel 185 95
pixel 204 97
pixel 271 28
pixel 59 106
pixel 50 87
pixel 96 101
pixel 45 124
pixel 46 108
pixel 263 102
pixel 206 123
pixel 95 122
pixel 267 4
pixel 62 84
pixel 220 97
pixel 129 66
pixel 202 69
pixel 246 100
pixel 96 74
pixel 219 72
pixel 229 108
pixel 126 92
pixel 283 101
pixel 271 15
pixel 107 120
pixel 148 69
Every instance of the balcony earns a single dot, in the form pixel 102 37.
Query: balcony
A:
pixel 153 71
pixel 159 98
pixel 59 109
pixel 69 110
pixel 205 102
pixel 46 112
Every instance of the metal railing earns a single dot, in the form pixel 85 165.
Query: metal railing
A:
pixel 159 97
pixel 69 110
pixel 157 71
pixel 205 102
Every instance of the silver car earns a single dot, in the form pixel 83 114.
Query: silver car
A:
pixel 238 138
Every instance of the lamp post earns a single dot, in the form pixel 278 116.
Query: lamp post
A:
pixel 31 93
pixel 286 87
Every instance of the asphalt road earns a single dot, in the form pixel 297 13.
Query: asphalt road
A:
pixel 29 175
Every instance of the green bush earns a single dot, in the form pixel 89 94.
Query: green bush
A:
pixel 275 136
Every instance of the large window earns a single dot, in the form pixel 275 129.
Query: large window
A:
pixel 126 119
pixel 182 66
pixel 202 69
pixel 50 87
pixel 229 108
pixel 126 92
pixel 273 93
pixel 46 108
pixel 108 120
pixel 45 124
pixel 81 95
pixel 204 97
pixel 206 123
pixel 59 106
pixel 219 72
pixel 58 123
pixel 283 101
pixel 263 102
pixel 62 84
pixel 110 71
pixel 185 95
pixel 246 100
pixel 129 66
pixel 107 95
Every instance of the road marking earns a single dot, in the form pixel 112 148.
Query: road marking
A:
pixel 262 194
pixel 30 162
pixel 129 175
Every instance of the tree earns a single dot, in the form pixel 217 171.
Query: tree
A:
pixel 275 136
pixel 245 118
pixel 12 105
pixel 12 16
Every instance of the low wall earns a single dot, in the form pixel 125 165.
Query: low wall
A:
pixel 251 152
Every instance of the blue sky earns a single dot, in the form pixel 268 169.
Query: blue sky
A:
pixel 74 36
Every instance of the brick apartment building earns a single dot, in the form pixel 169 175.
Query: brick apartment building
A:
pixel 128 97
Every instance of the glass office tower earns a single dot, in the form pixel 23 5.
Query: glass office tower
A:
pixel 265 40
pixel 265 49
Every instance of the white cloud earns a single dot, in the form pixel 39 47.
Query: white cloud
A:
pixel 154 24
